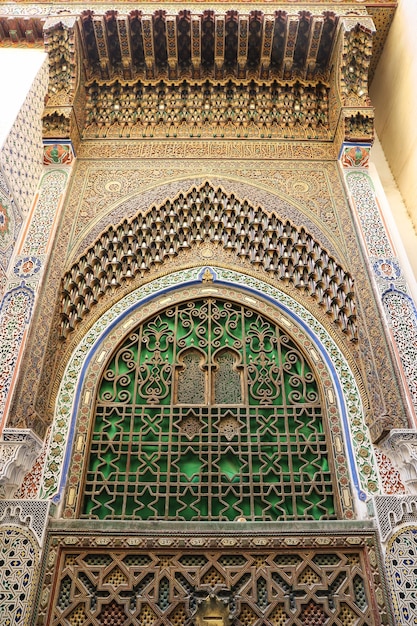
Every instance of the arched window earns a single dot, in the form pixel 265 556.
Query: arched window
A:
pixel 192 385
pixel 217 382
pixel 208 411
pixel 227 379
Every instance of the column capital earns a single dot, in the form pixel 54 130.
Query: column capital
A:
pixel 18 450
pixel 58 153
pixel 355 154
pixel 402 443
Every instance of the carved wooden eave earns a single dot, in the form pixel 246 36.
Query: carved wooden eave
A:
pixel 286 72
pixel 207 44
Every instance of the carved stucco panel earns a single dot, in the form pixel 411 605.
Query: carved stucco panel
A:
pixel 309 194
pixel 102 193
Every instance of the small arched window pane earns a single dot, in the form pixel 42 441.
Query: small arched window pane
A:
pixel 227 379
pixel 191 382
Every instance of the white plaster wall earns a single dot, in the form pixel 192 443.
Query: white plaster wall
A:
pixel 18 70
pixel 394 95
pixel 395 214
pixel 23 85
pixel 24 81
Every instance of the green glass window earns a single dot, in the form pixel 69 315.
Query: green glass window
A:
pixel 208 411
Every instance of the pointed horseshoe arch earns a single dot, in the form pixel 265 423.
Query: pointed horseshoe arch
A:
pixel 213 443
pixel 349 435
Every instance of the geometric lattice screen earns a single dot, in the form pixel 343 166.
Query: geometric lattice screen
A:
pixel 208 411
pixel 256 588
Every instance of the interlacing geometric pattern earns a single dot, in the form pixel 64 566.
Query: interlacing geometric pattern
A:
pixel 206 214
pixel 208 411
pixel 259 588
pixel 19 556
pixel 401 567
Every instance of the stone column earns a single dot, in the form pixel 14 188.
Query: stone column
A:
pixel 30 259
pixel 391 287
pixel 396 513
pixel 23 521
pixel 397 523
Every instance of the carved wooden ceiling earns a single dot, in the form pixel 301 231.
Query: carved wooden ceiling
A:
pixel 248 70
pixel 258 35
pixel 208 44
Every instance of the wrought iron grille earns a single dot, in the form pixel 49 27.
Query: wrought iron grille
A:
pixel 299 587
pixel 208 411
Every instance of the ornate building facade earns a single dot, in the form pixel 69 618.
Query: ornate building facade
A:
pixel 208 379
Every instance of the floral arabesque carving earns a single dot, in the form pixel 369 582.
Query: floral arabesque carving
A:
pixel 390 476
pixel 134 247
